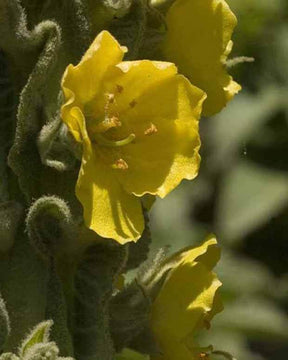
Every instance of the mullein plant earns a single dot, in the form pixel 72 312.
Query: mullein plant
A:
pixel 100 105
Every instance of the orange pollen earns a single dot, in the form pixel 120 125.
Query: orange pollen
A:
pixel 119 89
pixel 151 130
pixel 110 98
pixel 107 124
pixel 115 121
pixel 203 356
pixel 133 103
pixel 120 164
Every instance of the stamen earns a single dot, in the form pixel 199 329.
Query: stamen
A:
pixel 107 124
pixel 120 164
pixel 133 103
pixel 111 98
pixel 115 121
pixel 100 139
pixel 151 130
pixel 119 88
pixel 203 356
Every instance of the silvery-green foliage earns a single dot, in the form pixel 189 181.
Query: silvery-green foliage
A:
pixel 4 324
pixel 57 309
pixel 54 211
pixel 138 252
pixel 118 7
pixel 141 29
pixel 129 315
pixel 8 356
pixel 7 114
pixel 10 215
pixel 37 345
pixel 97 273
pixel 40 334
pixel 24 151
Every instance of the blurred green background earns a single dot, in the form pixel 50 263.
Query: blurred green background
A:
pixel 241 193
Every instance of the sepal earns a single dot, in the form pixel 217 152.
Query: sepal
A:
pixel 130 312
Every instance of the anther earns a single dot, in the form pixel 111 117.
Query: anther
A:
pixel 110 101
pixel 203 356
pixel 120 164
pixel 107 124
pixel 151 130
pixel 133 103
pixel 119 89
pixel 115 121
pixel 111 98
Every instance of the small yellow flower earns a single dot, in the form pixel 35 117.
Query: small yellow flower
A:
pixel 187 302
pixel 138 125
pixel 198 41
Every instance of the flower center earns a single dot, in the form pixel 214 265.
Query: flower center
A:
pixel 111 120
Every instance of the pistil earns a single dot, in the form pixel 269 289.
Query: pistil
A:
pixel 102 140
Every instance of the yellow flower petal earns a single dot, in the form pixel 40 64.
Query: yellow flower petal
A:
pixel 207 253
pixel 198 41
pixel 162 109
pixel 108 209
pixel 186 302
pixel 83 82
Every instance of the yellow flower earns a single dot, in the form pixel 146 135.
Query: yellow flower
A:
pixel 138 125
pixel 198 41
pixel 187 302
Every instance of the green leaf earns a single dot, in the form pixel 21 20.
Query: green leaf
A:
pixel 23 286
pixel 249 197
pixel 40 334
pixel 239 122
pixel 130 29
pixel 138 252
pixel 10 216
pixel 7 120
pixel 94 285
pixel 4 324
pixel 50 225
pixel 24 158
pixel 8 356
pixel 42 351
pixel 57 310
pixel 129 315
pixel 53 147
